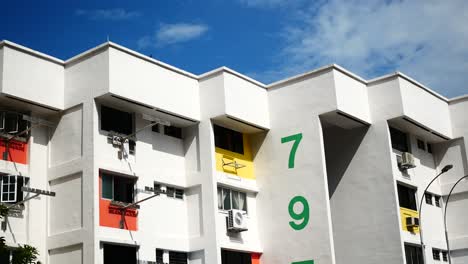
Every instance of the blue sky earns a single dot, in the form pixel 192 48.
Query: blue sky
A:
pixel 265 39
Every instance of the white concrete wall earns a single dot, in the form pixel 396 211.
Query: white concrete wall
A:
pixel 66 139
pixel 31 78
pixel 432 216
pixel 66 210
pixel 86 78
pixel 416 102
pixel 71 255
pixel 1 68
pixel 294 109
pixel 351 96
pixel 242 97
pixel 150 84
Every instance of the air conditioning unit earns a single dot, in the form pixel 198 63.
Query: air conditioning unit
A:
pixel 236 221
pixel 407 161
pixel 412 222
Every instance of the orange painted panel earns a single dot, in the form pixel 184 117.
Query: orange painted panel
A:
pixel 17 151
pixel 111 216
pixel 255 258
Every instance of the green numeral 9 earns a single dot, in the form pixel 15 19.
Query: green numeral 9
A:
pixel 303 215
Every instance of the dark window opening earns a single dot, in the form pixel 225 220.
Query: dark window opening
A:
pixel 119 254
pixel 117 188
pixel 429 148
pixel 155 128
pixel 12 123
pixel 116 120
pixel 228 139
pixel 159 256
pixel 177 257
pixel 421 145
pixel 413 255
pixel 174 192
pixel 234 257
pixel 407 197
pixel 173 131
pixel 428 197
pixel 444 256
pixel 435 254
pixel 437 200
pixel 399 140
pixel 10 188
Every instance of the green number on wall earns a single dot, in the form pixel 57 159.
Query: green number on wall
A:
pixel 302 216
pixel 303 262
pixel 292 155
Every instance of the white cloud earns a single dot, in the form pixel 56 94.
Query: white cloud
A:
pixel 172 33
pixel 425 39
pixel 108 14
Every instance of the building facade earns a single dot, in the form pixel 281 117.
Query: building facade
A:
pixel 323 167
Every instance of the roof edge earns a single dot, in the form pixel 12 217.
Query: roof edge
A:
pixel 233 72
pixel 458 99
pixel 411 80
pixel 6 43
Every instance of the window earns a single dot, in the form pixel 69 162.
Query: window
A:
pixel 116 120
pixel 436 254
pixel 173 131
pixel 171 191
pixel 231 199
pixel 10 188
pixel 399 140
pixel 177 257
pixel 428 197
pixel 12 123
pixel 437 200
pixel 159 256
pixel 174 257
pixel 413 255
pixel 429 148
pixel 155 128
pixel 444 256
pixel 421 145
pixel 117 188
pixel 407 197
pixel 228 139
pixel 235 257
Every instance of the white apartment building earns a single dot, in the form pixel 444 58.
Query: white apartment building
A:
pixel 324 167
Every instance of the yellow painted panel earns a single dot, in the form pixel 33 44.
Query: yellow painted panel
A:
pixel 404 213
pixel 231 157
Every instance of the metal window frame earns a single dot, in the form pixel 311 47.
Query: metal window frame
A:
pixel 8 191
pixel 230 200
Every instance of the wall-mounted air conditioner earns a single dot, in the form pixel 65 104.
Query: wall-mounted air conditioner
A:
pixel 412 222
pixel 407 161
pixel 237 221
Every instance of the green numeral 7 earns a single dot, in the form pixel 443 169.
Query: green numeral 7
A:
pixel 292 155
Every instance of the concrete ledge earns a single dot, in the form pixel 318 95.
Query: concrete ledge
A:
pixel 459 243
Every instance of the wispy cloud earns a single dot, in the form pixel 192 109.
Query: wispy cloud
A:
pixel 107 14
pixel 424 39
pixel 168 34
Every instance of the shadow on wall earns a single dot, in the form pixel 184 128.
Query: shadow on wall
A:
pixel 340 147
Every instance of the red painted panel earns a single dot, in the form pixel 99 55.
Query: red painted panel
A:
pixel 17 151
pixel 255 258
pixel 111 216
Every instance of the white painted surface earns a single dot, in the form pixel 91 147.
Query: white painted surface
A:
pixel 241 97
pixel 415 104
pixel 77 146
pixel 145 82
pixel 33 79
pixel 347 88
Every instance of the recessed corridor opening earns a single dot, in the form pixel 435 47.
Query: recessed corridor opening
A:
pixel 119 254
pixel 235 257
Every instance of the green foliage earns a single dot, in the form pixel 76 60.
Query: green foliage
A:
pixel 25 254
